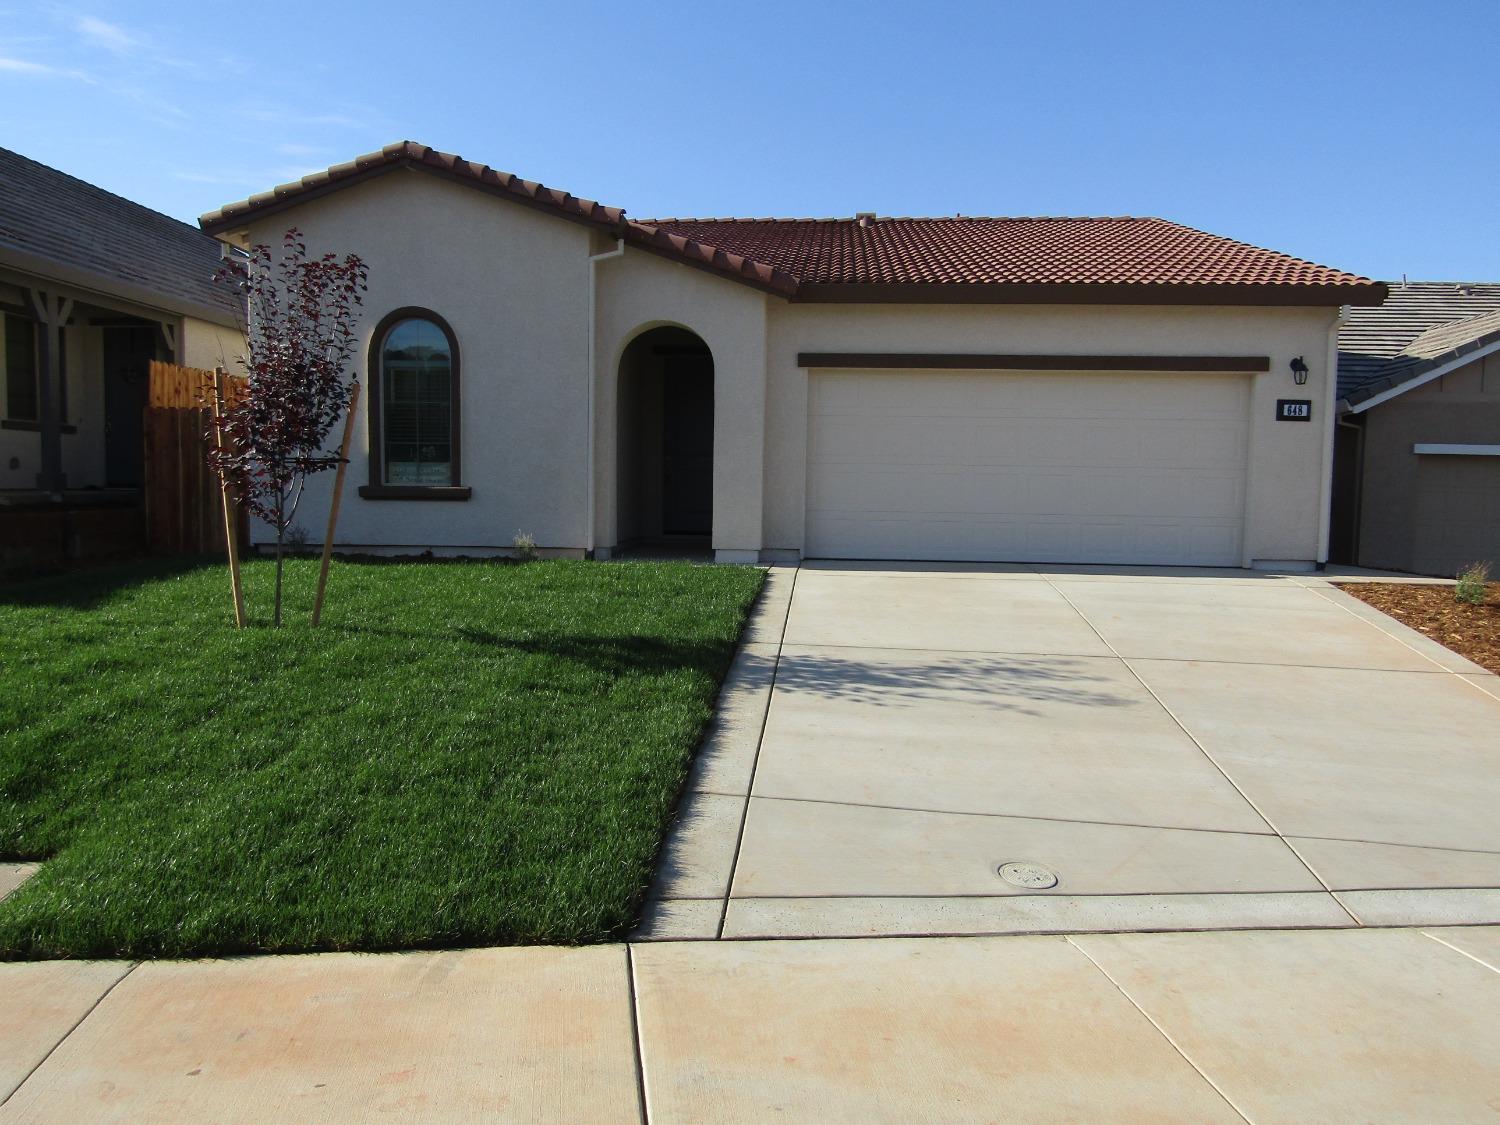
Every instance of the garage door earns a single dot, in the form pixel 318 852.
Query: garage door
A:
pixel 1027 467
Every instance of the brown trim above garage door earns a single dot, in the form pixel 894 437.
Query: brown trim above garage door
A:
pixel 910 361
pixel 1093 293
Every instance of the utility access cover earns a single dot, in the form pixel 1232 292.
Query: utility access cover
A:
pixel 1032 876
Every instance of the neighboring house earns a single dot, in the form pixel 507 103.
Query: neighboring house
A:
pixel 92 288
pixel 1417 485
pixel 1076 390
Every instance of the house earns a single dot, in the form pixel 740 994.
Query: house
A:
pixel 1418 445
pixel 1102 390
pixel 92 287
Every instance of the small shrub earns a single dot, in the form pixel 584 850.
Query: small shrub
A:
pixel 524 544
pixel 1471 583
pixel 296 538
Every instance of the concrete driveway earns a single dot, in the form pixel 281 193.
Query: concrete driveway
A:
pixel 923 749
pixel 1208 751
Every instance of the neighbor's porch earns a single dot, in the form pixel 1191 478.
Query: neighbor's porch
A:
pixel 74 384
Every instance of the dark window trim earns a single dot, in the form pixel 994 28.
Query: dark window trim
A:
pixel 377 489
pixel 415 492
pixel 1009 362
pixel 37 351
pixel 62 374
pixel 12 381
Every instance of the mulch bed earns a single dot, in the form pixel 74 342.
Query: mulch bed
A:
pixel 1469 630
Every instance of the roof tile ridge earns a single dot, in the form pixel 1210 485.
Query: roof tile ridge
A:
pixel 1411 284
pixel 744 219
pixel 417 153
pixel 1224 238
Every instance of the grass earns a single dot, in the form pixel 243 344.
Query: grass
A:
pixel 464 752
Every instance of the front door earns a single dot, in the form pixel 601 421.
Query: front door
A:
pixel 687 445
pixel 128 352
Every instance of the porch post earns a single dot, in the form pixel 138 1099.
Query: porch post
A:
pixel 52 313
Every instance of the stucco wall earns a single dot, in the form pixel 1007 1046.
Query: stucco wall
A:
pixel 512 282
pixel 1287 460
pixel 515 285
pixel 205 345
pixel 1433 514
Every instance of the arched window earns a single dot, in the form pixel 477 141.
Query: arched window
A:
pixel 414 417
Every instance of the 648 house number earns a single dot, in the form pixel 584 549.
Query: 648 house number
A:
pixel 1293 409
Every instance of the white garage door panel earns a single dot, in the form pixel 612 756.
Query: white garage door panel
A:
pixel 1030 467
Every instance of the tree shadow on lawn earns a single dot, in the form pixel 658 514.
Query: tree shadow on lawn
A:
pixel 91 588
pixel 613 656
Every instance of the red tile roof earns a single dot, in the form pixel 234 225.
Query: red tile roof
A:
pixel 901 259
pixel 1003 251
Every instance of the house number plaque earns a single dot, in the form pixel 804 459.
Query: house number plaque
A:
pixel 1293 409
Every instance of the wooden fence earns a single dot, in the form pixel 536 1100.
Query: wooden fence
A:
pixel 183 508
pixel 188 388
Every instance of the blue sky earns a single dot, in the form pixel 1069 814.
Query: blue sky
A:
pixel 1359 134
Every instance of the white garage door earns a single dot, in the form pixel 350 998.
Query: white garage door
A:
pixel 1027 466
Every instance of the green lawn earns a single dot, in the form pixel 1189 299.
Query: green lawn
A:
pixel 463 753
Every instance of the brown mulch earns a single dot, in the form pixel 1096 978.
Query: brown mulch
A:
pixel 1469 630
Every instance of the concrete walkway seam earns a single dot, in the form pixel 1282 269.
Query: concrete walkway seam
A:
pixel 635 1035
pixel 1160 1030
pixel 755 761
pixel 134 965
pixel 1465 952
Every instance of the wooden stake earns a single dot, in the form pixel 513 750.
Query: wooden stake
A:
pixel 231 537
pixel 333 508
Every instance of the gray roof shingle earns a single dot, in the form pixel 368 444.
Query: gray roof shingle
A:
pixel 48 218
pixel 1419 321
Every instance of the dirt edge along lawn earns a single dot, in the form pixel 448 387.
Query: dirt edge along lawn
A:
pixel 1472 631
pixel 464 753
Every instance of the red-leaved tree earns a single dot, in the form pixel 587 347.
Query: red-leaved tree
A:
pixel 300 345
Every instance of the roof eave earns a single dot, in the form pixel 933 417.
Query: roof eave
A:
pixel 102 285
pixel 1410 378
pixel 236 216
pixel 1074 293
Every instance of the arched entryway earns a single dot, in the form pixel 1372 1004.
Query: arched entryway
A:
pixel 666 440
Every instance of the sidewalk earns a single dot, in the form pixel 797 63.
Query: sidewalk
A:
pixel 1251 1025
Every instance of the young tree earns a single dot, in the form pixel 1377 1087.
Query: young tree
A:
pixel 300 343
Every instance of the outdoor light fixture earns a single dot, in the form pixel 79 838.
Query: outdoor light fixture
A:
pixel 1299 371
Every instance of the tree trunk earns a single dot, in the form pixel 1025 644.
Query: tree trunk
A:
pixel 280 538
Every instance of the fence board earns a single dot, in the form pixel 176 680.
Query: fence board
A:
pixel 183 513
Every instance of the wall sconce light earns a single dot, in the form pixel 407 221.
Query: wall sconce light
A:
pixel 1299 371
